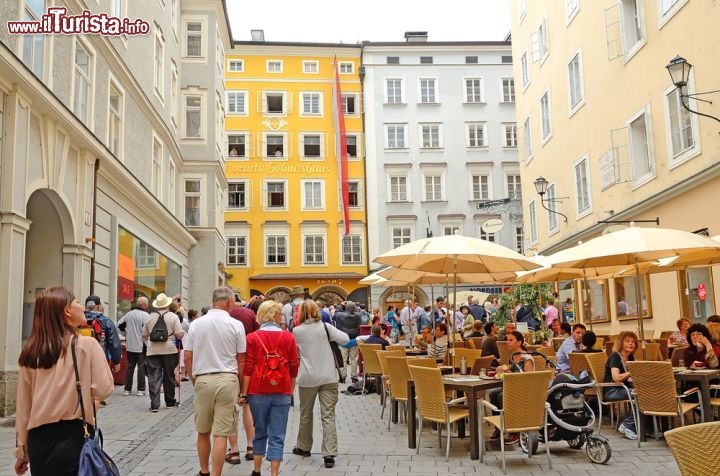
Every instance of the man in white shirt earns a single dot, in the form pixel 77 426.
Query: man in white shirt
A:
pixel 133 323
pixel 215 355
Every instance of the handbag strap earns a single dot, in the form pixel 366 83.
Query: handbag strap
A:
pixel 78 387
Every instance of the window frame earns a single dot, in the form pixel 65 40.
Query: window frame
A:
pixel 159 64
pixel 116 117
pixel 356 104
pixel 587 210
pixel 674 160
pixel 513 135
pixel 202 129
pixel 399 176
pixel 577 78
pixel 524 70
pixel 243 255
pixel 471 127
pixel 469 83
pixel 244 203
pixel 546 129
pixel 89 84
pixel 438 178
pixel 266 145
pixel 532 220
pixel 245 144
pixel 283 95
pixel 651 165
pixel 315 101
pixel 201 34
pixel 311 67
pixel 665 15
pixel 274 66
pixel 343 65
pixel 321 146
pixel 266 195
pixel 428 94
pixel 527 139
pixel 355 249
pixel 386 91
pixel 433 128
pixel 194 194
pixel 244 94
pixel 304 204
pixel 396 126
pixel 277 238
pixel 230 62
pixel 402 238
pixel 323 250
pixel 36 59
pixel 507 92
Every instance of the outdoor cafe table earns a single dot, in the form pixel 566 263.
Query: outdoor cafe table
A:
pixel 703 376
pixel 473 387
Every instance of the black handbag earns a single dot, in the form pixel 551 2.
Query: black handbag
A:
pixel 339 362
pixel 93 460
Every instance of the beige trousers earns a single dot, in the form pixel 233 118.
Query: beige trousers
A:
pixel 328 397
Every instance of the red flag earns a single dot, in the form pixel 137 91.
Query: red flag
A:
pixel 341 149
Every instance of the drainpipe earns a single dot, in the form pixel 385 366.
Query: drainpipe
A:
pixel 94 226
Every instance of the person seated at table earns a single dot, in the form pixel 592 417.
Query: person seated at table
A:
pixel 477 328
pixel 489 345
pixel 438 349
pixel 556 329
pixel 680 336
pixel 375 337
pixel 423 339
pixel 589 339
pixel 509 328
pixel 520 363
pixel 701 353
pixel 616 372
pixel 713 318
pixel 571 344
pixel 566 329
pixel 714 329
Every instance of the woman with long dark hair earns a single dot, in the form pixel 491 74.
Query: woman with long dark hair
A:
pixel 49 421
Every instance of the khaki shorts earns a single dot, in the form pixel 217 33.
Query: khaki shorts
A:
pixel 214 405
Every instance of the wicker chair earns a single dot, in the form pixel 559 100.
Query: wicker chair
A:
pixel 547 350
pixel 399 347
pixel 557 342
pixel 382 358
pixel 677 355
pixel 652 351
pixel 656 392
pixel 475 342
pixel 504 352
pixel 665 334
pixel 423 362
pixel 695 448
pixel 371 364
pixel 596 363
pixel 399 376
pixel 470 356
pixel 482 363
pixel 663 347
pixel 524 409
pixel 433 406
pixel 578 363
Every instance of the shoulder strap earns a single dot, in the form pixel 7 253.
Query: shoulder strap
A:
pixel 78 387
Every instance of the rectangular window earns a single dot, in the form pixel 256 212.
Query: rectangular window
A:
pixel 157 160
pixel 275 195
pixel 428 91
pixel 514 189
pixel 237 145
pixel 681 130
pixel 426 60
pixel 275 146
pixel 274 103
pixel 313 195
pixel 519 235
pixel 527 130
pixel 480 187
pixel 159 63
pixel 145 255
pixel 393 91
pixel 352 146
pixel 396 136
pixel 430 134
pixel 192 203
pixel 311 104
pixel 510 134
pixel 276 249
pixel 354 194
pixel 236 102
pixel 539 42
pixel 552 205
pixel 401 236
pixel 236 250
pixel 575 82
pixel 532 216
pixel 476 134
pixel 347 68
pixel 524 70
pixel 398 189
pixel 236 66
pixel 508 89
pixel 311 67
pixel 582 185
pixel 642 164
pixel 194 46
pixel 349 104
pixel 274 66
pixel 83 83
pixel 237 195
pixel 392 60
pixel 433 188
pixel 33 46
pixel 193 116
pixel 545 119
pixel 450 230
pixel 487 236
pixel 571 8
pixel 352 249
pixel 115 119
pixel 471 60
pixel 314 249
pixel 312 146
pixel 174 93
pixel 474 90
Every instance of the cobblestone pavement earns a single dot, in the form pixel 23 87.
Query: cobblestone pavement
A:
pixel 163 443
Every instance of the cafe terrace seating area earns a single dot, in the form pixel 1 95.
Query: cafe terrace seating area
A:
pixel 432 400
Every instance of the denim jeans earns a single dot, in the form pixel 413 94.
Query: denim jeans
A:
pixel 270 415
pixel 619 393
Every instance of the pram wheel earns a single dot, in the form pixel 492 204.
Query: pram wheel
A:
pixel 529 441
pixel 577 442
pixel 598 449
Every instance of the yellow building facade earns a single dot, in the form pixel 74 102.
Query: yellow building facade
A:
pixel 284 218
pixel 599 118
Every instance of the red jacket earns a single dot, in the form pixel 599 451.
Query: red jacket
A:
pixel 284 342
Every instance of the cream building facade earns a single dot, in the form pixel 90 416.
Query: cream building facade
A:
pixel 599 118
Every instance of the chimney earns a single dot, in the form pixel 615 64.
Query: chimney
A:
pixel 257 35
pixel 416 36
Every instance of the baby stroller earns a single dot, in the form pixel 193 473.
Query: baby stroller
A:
pixel 570 418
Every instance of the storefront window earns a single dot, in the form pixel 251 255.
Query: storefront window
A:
pixel 625 294
pixel 700 294
pixel 143 271
pixel 596 306
pixel 566 300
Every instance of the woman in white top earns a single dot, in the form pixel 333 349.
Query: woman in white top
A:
pixel 317 377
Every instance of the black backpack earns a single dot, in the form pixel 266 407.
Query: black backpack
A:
pixel 159 332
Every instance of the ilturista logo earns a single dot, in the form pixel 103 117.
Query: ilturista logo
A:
pixel 57 22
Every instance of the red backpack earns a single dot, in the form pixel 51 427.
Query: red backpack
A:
pixel 272 373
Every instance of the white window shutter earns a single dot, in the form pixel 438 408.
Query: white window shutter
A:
pixel 535 46
pixel 250 145
pixel 614 32
pixel 620 139
pixel 287 100
pixel 262 102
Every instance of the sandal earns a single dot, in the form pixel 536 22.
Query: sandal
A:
pixel 249 453
pixel 233 457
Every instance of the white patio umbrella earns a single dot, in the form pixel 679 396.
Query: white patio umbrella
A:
pixel 632 246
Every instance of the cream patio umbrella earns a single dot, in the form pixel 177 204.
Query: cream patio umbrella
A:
pixel 372 278
pixel 630 247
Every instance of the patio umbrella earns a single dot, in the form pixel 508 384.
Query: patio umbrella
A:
pixel 371 278
pixel 630 247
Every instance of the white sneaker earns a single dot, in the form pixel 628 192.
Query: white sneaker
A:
pixel 140 393
pixel 126 393
pixel 622 428
pixel 630 435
